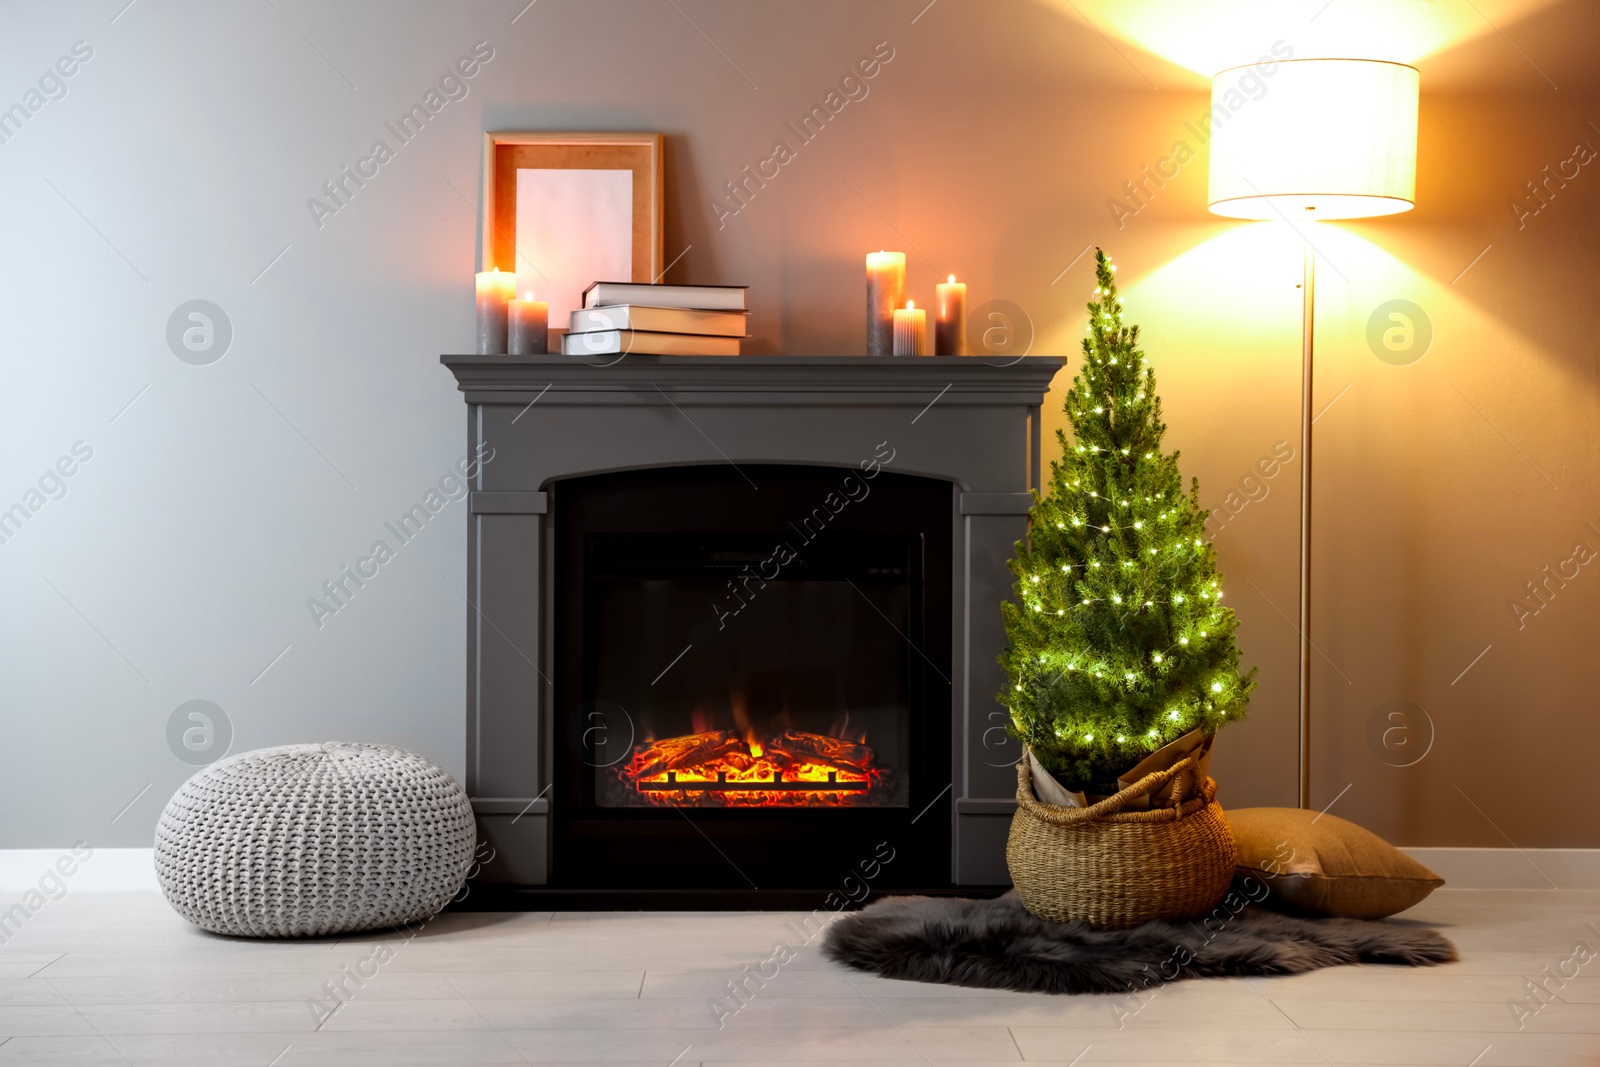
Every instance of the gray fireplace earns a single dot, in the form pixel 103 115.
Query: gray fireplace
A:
pixel 734 621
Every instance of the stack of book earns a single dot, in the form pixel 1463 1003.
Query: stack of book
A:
pixel 658 320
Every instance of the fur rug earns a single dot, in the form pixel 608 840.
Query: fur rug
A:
pixel 996 944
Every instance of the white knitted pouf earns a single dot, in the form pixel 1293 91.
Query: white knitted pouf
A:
pixel 304 840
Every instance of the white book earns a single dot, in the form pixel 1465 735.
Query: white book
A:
pixel 644 343
pixel 701 297
pixel 659 320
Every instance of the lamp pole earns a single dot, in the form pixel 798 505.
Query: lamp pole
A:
pixel 1338 138
pixel 1308 313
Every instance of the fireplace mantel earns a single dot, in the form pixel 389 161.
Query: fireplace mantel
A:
pixel 785 381
pixel 966 421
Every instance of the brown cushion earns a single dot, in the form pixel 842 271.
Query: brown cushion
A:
pixel 1325 865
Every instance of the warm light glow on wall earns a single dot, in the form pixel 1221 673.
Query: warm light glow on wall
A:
pixel 1337 137
pixel 1206 36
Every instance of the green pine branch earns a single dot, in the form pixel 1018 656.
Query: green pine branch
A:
pixel 1118 640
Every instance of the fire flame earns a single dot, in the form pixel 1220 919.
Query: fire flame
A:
pixel 724 768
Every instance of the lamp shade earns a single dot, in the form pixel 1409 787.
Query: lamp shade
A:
pixel 1322 138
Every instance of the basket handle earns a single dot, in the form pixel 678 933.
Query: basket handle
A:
pixel 1112 805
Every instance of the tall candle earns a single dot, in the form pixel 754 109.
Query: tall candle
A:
pixel 527 326
pixel 495 288
pixel 886 291
pixel 910 330
pixel 950 327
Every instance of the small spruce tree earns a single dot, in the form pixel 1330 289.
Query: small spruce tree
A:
pixel 1118 642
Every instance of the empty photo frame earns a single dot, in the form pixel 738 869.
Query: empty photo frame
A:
pixel 566 210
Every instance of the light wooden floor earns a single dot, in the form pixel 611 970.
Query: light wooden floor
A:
pixel 113 979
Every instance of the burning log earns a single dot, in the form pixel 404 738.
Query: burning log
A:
pixel 721 768
pixel 796 747
pixel 691 750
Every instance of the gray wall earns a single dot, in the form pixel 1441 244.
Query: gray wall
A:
pixel 219 497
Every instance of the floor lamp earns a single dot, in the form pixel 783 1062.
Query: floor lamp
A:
pixel 1303 140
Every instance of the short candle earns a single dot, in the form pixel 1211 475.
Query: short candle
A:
pixel 910 330
pixel 528 326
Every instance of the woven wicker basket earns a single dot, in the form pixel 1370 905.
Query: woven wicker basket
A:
pixel 1118 869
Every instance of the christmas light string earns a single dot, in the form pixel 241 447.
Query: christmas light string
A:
pixel 1119 640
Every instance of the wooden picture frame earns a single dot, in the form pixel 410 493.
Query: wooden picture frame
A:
pixel 530 161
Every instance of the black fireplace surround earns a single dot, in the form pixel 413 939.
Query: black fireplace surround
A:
pixel 691 604
pixel 732 623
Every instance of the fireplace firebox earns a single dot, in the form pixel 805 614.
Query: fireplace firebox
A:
pixel 803 701
pixel 732 624
pixel 753 674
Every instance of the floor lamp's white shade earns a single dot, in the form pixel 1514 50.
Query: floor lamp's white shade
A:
pixel 1332 138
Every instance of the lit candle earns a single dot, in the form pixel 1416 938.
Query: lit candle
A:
pixel 886 291
pixel 950 328
pixel 495 288
pixel 910 330
pixel 527 326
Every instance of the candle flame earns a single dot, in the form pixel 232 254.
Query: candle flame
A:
pixel 911 305
pixel 528 295
pixel 952 279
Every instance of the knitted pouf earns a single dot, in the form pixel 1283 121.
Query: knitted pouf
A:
pixel 314 839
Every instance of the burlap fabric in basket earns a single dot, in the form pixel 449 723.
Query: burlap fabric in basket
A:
pixel 1117 868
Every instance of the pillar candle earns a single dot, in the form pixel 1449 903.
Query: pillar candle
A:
pixel 950 328
pixel 886 291
pixel 495 288
pixel 527 326
pixel 910 330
